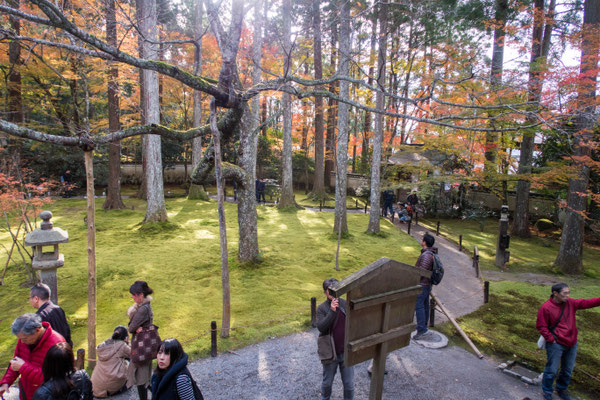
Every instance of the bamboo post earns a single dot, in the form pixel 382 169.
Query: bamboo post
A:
pixel 458 328
pixel 476 261
pixel 213 338
pixel 91 250
pixel 486 292
pixel 313 312
pixel 432 313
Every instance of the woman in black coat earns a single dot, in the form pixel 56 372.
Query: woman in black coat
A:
pixel 171 379
pixel 61 381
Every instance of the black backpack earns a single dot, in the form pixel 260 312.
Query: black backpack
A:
pixel 437 272
pixel 83 386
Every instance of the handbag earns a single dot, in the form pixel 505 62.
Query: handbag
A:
pixel 144 345
pixel 326 348
pixel 326 345
pixel 541 343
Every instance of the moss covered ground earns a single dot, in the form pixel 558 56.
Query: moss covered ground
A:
pixel 181 261
pixel 536 254
pixel 506 325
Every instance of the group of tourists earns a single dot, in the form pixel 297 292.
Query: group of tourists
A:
pixel 405 210
pixel 44 363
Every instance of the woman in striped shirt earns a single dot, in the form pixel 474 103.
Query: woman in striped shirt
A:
pixel 171 379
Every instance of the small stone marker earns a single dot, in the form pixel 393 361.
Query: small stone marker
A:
pixel 522 371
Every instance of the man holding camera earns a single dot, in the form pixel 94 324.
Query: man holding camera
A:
pixel 331 322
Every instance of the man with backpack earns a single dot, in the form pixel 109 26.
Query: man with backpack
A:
pixel 426 260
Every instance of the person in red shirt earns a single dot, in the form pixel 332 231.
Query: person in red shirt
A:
pixel 556 323
pixel 35 339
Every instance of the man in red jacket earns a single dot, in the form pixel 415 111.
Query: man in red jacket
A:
pixel 556 323
pixel 35 339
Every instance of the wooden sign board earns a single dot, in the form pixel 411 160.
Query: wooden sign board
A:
pixel 381 301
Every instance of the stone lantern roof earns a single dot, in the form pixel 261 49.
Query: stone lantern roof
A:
pixel 46 235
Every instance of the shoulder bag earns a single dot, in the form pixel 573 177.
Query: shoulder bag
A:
pixel 541 343
pixel 144 345
pixel 326 346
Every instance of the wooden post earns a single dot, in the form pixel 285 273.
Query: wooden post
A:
pixel 366 207
pixel 486 292
pixel 91 250
pixel 476 261
pixel 213 338
pixel 80 361
pixel 409 223
pixel 458 328
pixel 437 230
pixel 416 218
pixel 356 203
pixel 376 388
pixel 432 313
pixel 313 312
pixel 459 242
pixel 393 214
pixel 321 205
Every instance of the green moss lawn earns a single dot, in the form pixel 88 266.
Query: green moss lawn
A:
pixel 536 254
pixel 182 264
pixel 506 325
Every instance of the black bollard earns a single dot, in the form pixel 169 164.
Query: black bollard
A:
pixel 431 313
pixel 486 292
pixel 213 338
pixel 409 224
pixel 321 205
pixel 313 312
pixel 459 242
pixel 356 203
pixel 365 208
pixel 437 230
pixel 416 218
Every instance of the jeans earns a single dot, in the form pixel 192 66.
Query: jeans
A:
pixel 388 207
pixel 422 309
pixel 558 355
pixel 347 374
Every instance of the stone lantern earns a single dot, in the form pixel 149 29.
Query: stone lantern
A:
pixel 46 262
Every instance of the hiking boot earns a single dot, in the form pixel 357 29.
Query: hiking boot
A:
pixel 564 395
pixel 547 396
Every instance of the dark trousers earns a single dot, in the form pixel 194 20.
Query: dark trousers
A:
pixel 422 309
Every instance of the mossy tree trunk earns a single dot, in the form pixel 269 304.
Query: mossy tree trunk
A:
pixel 155 209
pixel 570 255
pixel 343 114
pixel 113 192
pixel 537 65
pixel 378 134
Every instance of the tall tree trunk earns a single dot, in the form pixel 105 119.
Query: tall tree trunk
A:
pixel 155 211
pixel 537 65
pixel 368 115
pixel 331 114
pixel 247 216
pixel 318 191
pixel 142 192
pixel 286 198
pixel 341 224
pixel 378 134
pixel 197 191
pixel 570 255
pixel 15 100
pixel 226 316
pixel 113 193
pixel 491 137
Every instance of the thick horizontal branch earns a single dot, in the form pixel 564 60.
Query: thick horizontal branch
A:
pixel 229 120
